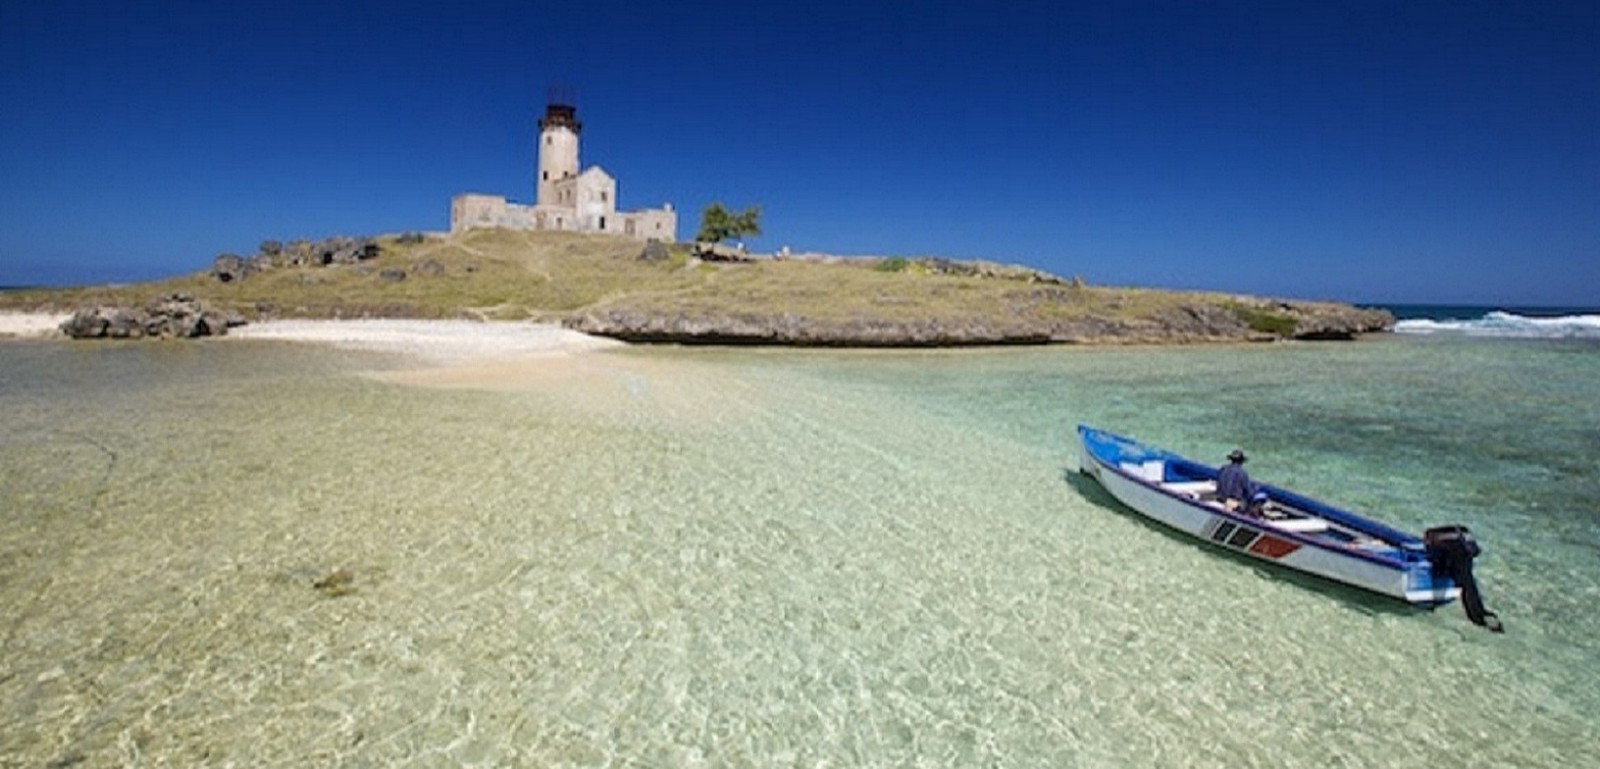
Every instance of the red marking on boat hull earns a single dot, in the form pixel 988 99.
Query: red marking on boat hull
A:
pixel 1269 546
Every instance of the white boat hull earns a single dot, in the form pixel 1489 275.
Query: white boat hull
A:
pixel 1261 538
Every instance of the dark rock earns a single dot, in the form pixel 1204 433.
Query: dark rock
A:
pixel 178 315
pixel 343 250
pixel 360 250
pixel 125 323
pixel 937 266
pixel 228 268
pixel 234 267
pixel 717 252
pixel 392 274
pixel 299 253
pixel 1318 321
pixel 654 251
pixel 86 323
pixel 328 251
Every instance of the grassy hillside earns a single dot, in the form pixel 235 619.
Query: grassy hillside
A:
pixel 511 275
pixel 486 273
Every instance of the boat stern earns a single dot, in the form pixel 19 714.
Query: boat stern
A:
pixel 1426 589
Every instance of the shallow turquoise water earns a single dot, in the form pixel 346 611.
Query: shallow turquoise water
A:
pixel 778 558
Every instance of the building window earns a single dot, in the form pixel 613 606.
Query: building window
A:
pixel 604 196
pixel 602 222
pixel 547 176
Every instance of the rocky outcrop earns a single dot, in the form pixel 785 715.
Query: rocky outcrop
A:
pixel 800 331
pixel 173 316
pixel 717 252
pixel 1336 322
pixel 1184 324
pixel 938 266
pixel 792 330
pixel 342 250
pixel 227 268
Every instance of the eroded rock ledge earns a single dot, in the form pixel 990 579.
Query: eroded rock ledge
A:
pixel 1186 324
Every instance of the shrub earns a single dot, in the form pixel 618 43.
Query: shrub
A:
pixel 1264 321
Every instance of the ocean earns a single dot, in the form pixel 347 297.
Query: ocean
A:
pixel 1509 322
pixel 749 557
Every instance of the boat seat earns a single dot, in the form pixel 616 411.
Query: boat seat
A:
pixel 1152 470
pixel 1300 525
pixel 1193 489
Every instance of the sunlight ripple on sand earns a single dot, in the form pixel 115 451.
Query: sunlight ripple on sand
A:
pixel 442 341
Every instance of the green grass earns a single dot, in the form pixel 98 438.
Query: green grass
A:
pixel 1264 321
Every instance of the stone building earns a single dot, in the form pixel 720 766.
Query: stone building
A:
pixel 566 198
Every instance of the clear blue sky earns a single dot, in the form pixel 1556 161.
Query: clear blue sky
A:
pixel 1411 150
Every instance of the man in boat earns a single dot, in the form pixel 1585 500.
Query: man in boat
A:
pixel 1234 487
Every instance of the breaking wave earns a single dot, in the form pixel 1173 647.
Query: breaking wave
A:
pixel 1506 324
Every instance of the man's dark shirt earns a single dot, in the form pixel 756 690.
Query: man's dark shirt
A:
pixel 1234 483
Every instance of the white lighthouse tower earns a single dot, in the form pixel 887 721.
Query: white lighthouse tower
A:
pixel 558 152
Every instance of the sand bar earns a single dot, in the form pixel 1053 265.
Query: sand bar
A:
pixel 439 341
pixel 449 353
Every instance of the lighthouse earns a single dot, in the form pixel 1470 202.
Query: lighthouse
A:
pixel 558 152
pixel 567 197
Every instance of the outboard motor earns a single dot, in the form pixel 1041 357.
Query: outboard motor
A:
pixel 1451 549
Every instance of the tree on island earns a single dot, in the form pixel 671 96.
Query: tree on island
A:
pixel 718 224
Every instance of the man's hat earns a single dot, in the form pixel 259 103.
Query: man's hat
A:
pixel 1236 455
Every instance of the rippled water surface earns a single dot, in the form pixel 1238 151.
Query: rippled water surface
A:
pixel 777 558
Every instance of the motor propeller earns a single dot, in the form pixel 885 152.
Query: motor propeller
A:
pixel 1452 550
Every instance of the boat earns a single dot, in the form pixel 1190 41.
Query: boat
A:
pixel 1286 528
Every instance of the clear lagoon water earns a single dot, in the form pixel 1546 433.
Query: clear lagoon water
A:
pixel 701 557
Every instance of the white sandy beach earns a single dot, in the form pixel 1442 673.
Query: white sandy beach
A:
pixel 31 324
pixel 448 353
pixel 451 342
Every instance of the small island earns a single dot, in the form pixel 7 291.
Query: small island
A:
pixel 655 292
